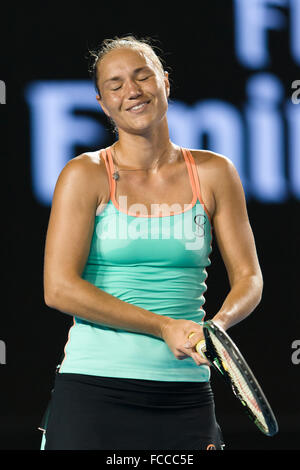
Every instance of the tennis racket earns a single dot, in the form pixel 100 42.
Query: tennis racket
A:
pixel 224 356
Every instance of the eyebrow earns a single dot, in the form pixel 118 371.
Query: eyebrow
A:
pixel 136 71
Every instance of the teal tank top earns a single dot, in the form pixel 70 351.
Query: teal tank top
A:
pixel 155 262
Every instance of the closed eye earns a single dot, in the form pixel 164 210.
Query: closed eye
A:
pixel 139 79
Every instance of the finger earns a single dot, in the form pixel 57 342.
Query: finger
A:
pixel 194 339
pixel 182 357
pixel 198 344
pixel 187 351
pixel 199 360
pixel 183 354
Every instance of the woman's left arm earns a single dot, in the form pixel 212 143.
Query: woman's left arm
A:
pixel 236 243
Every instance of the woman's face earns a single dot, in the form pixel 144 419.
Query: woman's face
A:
pixel 134 93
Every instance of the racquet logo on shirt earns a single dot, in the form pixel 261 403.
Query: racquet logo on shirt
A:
pixel 200 221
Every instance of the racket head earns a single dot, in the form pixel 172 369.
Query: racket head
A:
pixel 227 360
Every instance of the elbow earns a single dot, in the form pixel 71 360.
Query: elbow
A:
pixel 258 298
pixel 260 281
pixel 55 292
pixel 51 296
pixel 253 284
pixel 257 287
pixel 58 294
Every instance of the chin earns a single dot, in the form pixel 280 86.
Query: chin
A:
pixel 142 126
pixel 138 128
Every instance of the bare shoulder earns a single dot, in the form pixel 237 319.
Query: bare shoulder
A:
pixel 212 161
pixel 218 177
pixel 87 172
pixel 86 162
pixel 212 166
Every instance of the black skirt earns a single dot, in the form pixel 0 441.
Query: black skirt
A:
pixel 103 413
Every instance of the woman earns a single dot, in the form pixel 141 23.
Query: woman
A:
pixel 127 247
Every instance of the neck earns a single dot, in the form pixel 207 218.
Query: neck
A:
pixel 143 151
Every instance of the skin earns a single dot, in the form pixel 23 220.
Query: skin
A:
pixel 83 186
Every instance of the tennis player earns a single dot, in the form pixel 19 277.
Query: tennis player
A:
pixel 127 247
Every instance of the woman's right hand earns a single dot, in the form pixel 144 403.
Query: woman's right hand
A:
pixel 176 334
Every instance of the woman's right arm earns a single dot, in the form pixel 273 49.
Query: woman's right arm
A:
pixel 68 240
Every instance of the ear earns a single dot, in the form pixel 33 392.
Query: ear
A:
pixel 100 101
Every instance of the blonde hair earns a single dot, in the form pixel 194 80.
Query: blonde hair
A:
pixel 144 45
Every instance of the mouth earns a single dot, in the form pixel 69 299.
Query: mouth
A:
pixel 137 108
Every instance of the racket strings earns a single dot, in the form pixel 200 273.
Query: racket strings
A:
pixel 239 382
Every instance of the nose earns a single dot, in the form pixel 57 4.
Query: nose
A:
pixel 133 89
